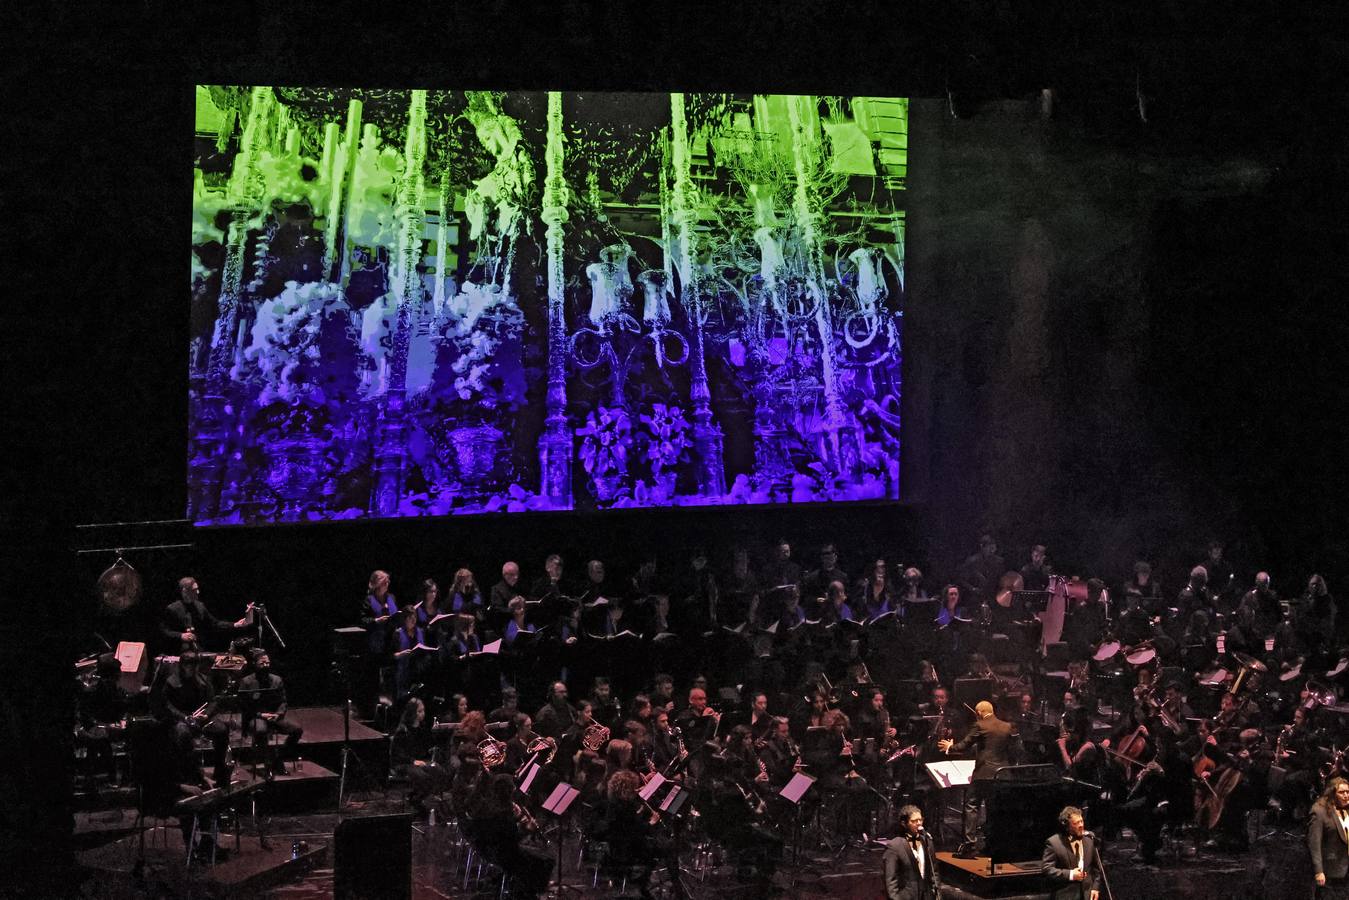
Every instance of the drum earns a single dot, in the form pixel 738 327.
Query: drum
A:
pixel 1142 656
pixel 1106 651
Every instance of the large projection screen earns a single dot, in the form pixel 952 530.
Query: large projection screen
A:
pixel 424 302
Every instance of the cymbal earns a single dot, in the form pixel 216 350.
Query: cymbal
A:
pixel 1249 662
pixel 1291 673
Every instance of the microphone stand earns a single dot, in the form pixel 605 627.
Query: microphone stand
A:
pixel 260 613
pixel 1100 864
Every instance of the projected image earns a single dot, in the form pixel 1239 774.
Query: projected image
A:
pixel 410 303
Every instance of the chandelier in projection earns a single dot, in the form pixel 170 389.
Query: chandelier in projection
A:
pixel 417 302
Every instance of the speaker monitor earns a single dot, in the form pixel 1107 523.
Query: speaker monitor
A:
pixel 372 858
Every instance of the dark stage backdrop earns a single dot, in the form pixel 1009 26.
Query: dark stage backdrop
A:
pixel 1122 337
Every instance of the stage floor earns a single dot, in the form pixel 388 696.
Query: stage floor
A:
pixel 1275 868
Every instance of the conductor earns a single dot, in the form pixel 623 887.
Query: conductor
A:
pixel 993 743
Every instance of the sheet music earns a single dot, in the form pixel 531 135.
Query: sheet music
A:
pixel 951 772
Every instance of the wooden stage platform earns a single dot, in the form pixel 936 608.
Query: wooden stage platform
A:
pixel 978 878
pixel 322 726
pixel 249 869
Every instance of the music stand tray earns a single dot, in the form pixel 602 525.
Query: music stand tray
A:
pixel 949 773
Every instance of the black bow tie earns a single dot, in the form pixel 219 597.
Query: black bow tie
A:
pixel 914 839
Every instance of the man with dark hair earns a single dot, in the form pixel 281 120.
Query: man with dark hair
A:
pixel 910 865
pixel 1221 578
pixel 186 620
pixel 549 588
pixel 817 583
pixel 263 698
pixel 1069 859
pixel 980 572
pixel 1035 574
pixel 187 703
pixel 781 570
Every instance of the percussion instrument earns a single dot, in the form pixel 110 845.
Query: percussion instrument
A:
pixel 1106 651
pixel 1141 655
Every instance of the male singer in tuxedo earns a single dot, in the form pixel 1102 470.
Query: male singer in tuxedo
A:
pixel 994 745
pixel 1069 859
pixel 910 865
pixel 1328 840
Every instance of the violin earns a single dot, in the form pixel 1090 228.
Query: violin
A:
pixel 1131 749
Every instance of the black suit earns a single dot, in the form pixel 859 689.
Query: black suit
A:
pixel 1329 846
pixel 1058 861
pixel 993 742
pixel 189 615
pixel 902 881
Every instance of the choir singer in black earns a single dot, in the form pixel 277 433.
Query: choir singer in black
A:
pixel 1070 861
pixel 910 865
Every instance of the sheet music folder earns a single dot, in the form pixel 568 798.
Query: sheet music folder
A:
pixel 649 790
pixel 561 799
pixel 951 772
pixel 795 789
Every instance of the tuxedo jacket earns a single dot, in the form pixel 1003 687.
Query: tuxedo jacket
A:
pixel 902 881
pixel 1057 863
pixel 1328 843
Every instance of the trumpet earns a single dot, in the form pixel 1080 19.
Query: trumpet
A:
pixel 491 752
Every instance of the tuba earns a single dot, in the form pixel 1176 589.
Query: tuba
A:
pixel 594 737
pixel 492 752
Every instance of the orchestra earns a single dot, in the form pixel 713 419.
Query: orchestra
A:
pixel 1188 712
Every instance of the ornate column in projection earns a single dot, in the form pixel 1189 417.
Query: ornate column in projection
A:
pixel 555 446
pixel 211 426
pixel 391 450
pixel 839 435
pixel 707 438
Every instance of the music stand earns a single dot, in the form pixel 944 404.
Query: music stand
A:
pixel 793 792
pixel 343 645
pixel 558 802
pixel 950 773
